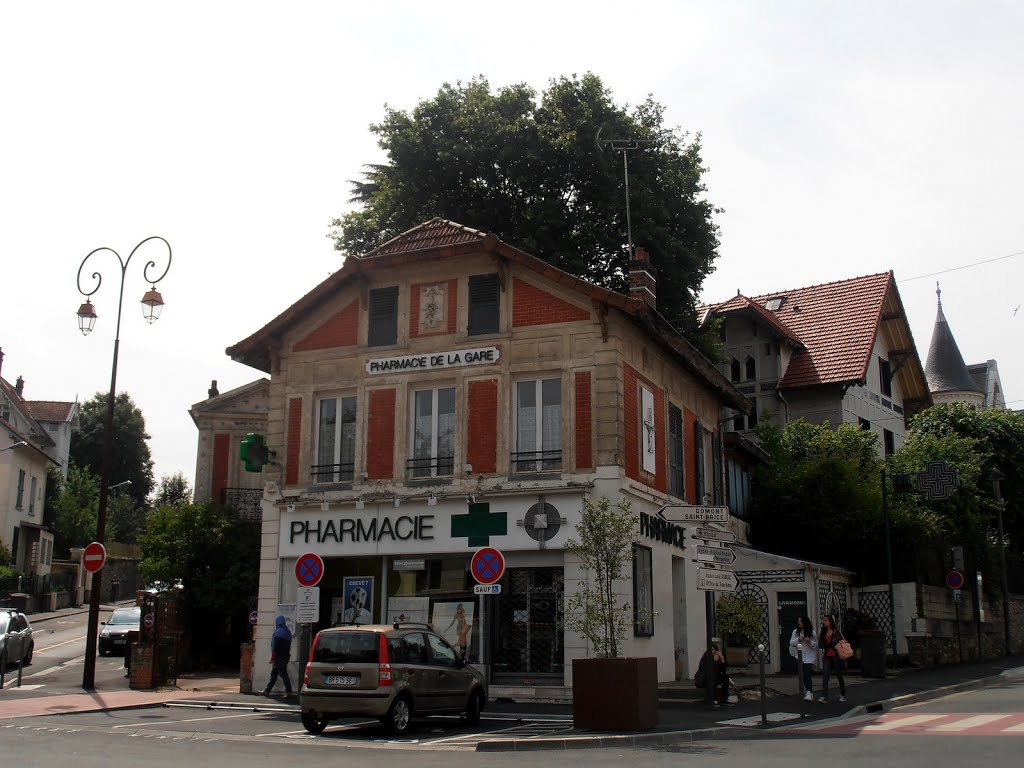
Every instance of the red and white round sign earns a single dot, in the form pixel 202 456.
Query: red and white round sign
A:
pixel 94 556
pixel 487 565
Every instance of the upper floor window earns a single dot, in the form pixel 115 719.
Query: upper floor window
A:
pixel 32 496
pixel 335 440
pixel 734 370
pixel 885 377
pixel 20 501
pixel 383 317
pixel 433 433
pixel 676 486
pixel 889 441
pixel 484 304
pixel 538 426
pixel 751 368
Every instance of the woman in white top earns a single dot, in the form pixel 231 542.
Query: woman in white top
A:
pixel 805 648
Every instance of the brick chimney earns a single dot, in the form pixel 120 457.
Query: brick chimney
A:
pixel 643 278
pixel 19 385
pixel 212 391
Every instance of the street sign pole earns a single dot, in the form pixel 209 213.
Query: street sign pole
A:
pixel 709 673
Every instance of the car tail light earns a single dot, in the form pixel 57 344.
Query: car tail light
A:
pixel 309 661
pixel 384 665
pixel 305 675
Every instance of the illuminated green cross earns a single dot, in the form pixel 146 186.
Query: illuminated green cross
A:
pixel 479 525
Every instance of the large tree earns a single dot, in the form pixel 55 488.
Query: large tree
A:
pixel 130 457
pixel 532 172
pixel 76 507
pixel 173 489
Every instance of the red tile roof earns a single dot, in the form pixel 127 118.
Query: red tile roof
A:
pixel 836 323
pixel 436 233
pixel 49 410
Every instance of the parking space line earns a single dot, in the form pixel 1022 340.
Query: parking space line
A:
pixel 189 720
pixel 58 645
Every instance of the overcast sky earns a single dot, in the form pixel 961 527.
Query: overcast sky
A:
pixel 841 140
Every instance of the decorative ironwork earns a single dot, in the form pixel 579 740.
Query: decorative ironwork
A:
pixel 537 461
pixel 527 639
pixel 876 605
pixel 832 600
pixel 332 473
pixel 772 577
pixel 752 591
pixel 431 466
pixel 245 501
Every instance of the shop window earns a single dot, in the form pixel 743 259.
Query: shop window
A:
pixel 335 440
pixel 643 592
pixel 484 304
pixel 676 482
pixel 433 433
pixel 20 500
pixel 383 322
pixel 538 426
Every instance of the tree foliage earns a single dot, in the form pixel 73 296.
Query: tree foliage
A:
pixel 603 549
pixel 126 519
pixel 173 489
pixel 130 456
pixel 77 509
pixel 530 170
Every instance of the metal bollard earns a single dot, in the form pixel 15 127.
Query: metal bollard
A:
pixel 764 695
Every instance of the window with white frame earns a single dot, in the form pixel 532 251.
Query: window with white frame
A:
pixel 335 440
pixel 538 426
pixel 433 433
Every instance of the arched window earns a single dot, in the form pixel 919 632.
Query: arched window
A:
pixel 734 372
pixel 751 368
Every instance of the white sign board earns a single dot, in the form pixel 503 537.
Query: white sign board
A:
pixel 487 589
pixel 678 513
pixel 455 358
pixel 709 580
pixel 717 555
pixel 712 534
pixel 307 605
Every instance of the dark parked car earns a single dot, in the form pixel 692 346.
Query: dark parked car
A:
pixel 16 643
pixel 116 628
pixel 393 673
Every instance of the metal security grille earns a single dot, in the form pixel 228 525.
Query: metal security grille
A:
pixel 754 592
pixel 832 601
pixel 876 605
pixel 527 641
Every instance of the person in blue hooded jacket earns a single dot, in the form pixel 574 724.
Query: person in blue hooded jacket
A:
pixel 280 652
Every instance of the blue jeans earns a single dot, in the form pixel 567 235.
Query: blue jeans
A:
pixel 808 670
pixel 832 665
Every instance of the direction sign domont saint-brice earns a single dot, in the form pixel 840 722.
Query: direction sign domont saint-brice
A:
pixel 681 513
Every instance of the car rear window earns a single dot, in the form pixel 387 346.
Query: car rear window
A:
pixel 346 648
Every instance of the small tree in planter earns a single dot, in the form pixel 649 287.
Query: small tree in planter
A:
pixel 609 692
pixel 738 620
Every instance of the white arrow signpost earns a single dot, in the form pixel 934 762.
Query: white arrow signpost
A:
pixel 716 555
pixel 712 534
pixel 710 580
pixel 682 513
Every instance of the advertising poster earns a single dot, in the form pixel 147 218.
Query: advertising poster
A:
pixel 409 609
pixel 454 622
pixel 357 597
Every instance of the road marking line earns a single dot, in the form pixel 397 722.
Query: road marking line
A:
pixel 968 722
pixel 58 645
pixel 190 720
pixel 902 722
pixel 1018 728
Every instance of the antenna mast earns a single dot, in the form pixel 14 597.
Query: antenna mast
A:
pixel 625 146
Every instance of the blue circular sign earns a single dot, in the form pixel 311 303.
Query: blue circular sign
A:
pixel 309 569
pixel 954 580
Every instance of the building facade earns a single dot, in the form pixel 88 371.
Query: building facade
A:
pixel 447 392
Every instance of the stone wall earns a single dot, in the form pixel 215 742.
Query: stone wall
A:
pixel 938 638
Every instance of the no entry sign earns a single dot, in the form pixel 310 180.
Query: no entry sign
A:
pixel 309 569
pixel 94 556
pixel 488 565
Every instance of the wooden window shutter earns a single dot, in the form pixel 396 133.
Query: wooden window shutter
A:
pixel 698 443
pixel 383 317
pixel 484 304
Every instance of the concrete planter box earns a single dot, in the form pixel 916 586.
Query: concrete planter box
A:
pixel 615 694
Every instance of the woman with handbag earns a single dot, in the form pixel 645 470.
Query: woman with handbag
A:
pixel 831 642
pixel 803 645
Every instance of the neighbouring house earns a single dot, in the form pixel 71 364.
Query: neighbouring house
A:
pixel 37 436
pixel 223 421
pixel 447 391
pixel 953 381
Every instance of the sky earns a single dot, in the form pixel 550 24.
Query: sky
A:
pixel 841 139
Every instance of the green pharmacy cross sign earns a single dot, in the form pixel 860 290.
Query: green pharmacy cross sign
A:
pixel 479 525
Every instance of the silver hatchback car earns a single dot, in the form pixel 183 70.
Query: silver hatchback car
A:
pixel 392 673
pixel 16 642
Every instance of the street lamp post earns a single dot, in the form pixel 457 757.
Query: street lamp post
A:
pixel 152 303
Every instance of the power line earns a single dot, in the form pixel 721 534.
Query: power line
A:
pixel 964 266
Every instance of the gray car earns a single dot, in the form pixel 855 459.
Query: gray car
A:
pixel 115 629
pixel 392 673
pixel 16 643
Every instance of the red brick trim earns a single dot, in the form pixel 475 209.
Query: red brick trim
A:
pixel 341 330
pixel 584 427
pixel 291 474
pixel 534 306
pixel 631 417
pixel 482 427
pixel 380 435
pixel 221 452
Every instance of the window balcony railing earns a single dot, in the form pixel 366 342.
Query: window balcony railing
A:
pixel 431 466
pixel 332 473
pixel 246 501
pixel 537 461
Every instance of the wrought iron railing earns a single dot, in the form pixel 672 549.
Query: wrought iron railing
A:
pixel 431 466
pixel 246 501
pixel 537 461
pixel 333 473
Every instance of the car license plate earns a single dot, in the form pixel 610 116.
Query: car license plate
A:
pixel 118 641
pixel 341 680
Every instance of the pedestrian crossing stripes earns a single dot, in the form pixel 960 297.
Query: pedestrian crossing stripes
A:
pixel 935 724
